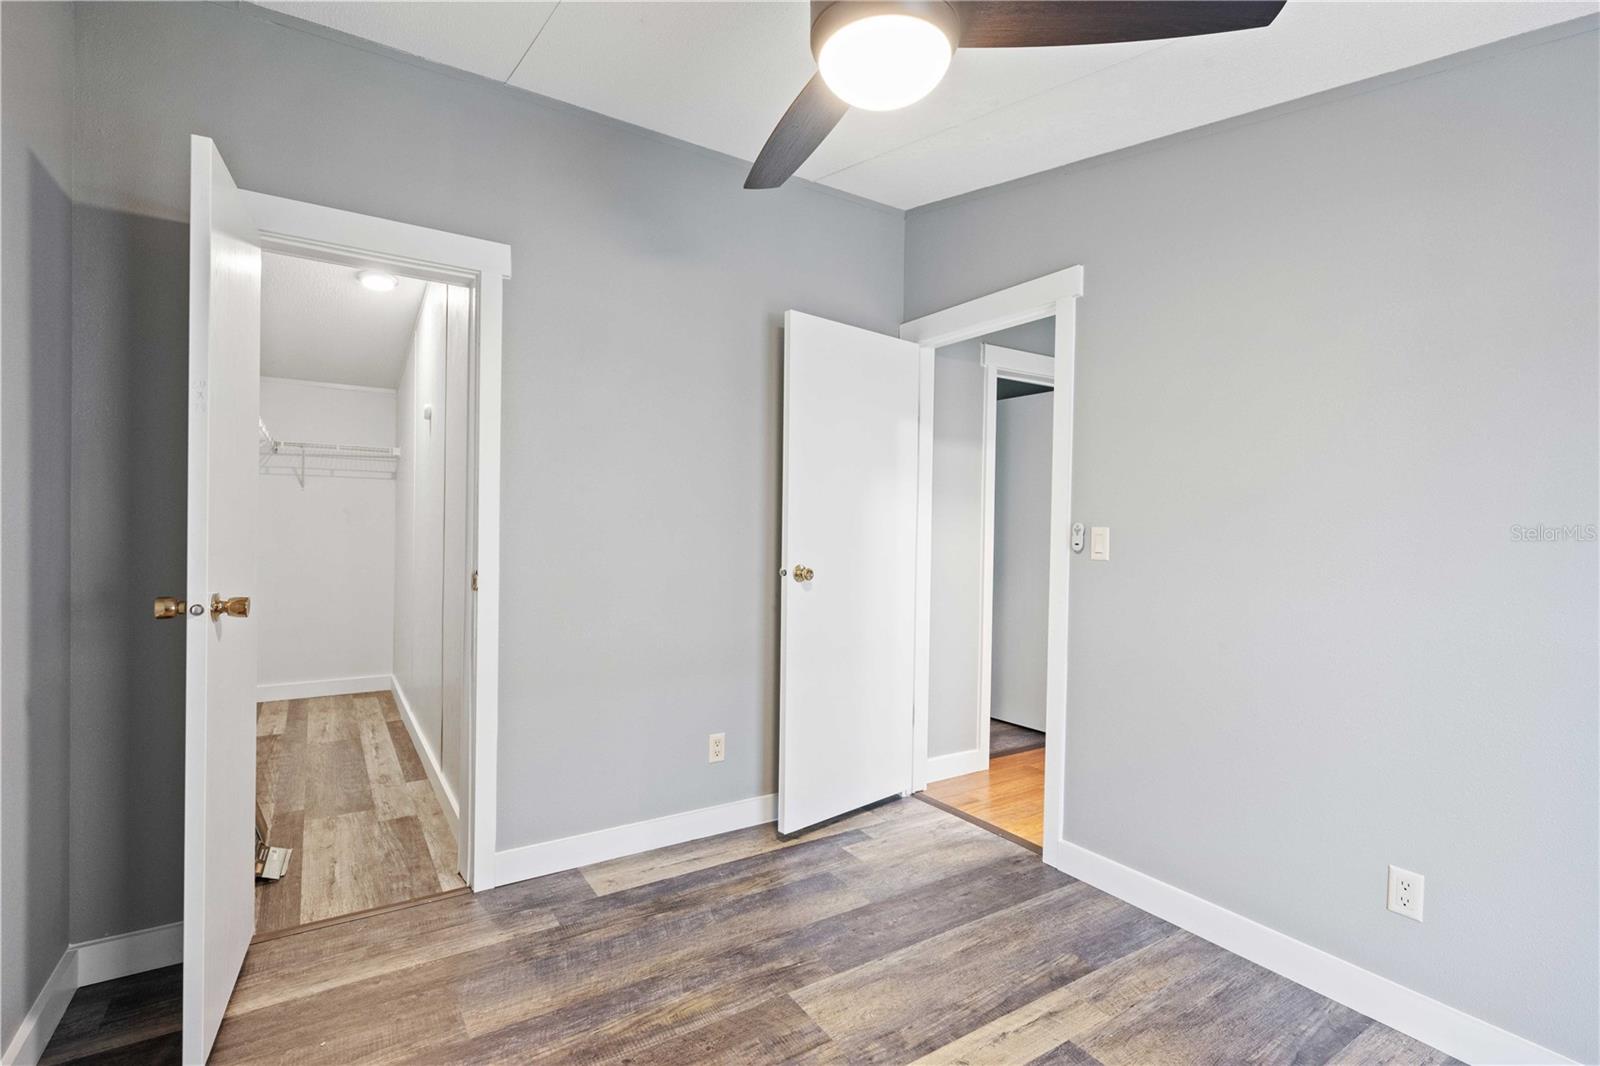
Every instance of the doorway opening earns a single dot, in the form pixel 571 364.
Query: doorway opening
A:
pixel 230 229
pixel 876 597
pixel 364 596
pixel 990 607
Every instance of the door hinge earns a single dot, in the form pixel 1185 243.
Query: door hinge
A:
pixel 474 581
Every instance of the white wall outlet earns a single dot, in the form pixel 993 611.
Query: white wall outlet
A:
pixel 718 748
pixel 1405 893
pixel 1100 543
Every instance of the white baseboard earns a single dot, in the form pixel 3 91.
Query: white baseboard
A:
pixel 567 853
pixel 332 686
pixel 39 1024
pixel 1450 1030
pixel 112 957
pixel 430 758
pixel 957 763
pixel 89 963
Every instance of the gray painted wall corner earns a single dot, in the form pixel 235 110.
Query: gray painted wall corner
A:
pixel 1326 361
pixel 641 370
pixel 35 381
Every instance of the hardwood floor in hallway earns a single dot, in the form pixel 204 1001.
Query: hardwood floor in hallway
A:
pixel 901 934
pixel 341 783
pixel 1009 795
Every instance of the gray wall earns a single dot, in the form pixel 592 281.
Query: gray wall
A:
pixel 641 401
pixel 1326 359
pixel 35 362
pixel 1038 337
pixel 1021 618
pixel 954 599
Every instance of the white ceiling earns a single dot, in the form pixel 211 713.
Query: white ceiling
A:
pixel 720 75
pixel 318 323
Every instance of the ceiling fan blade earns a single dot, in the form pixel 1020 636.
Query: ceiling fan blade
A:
pixel 1041 23
pixel 808 121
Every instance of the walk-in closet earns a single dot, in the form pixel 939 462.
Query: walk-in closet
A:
pixel 363 590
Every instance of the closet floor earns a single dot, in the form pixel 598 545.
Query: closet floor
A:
pixel 340 782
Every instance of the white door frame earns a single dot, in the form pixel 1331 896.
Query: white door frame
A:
pixel 1013 365
pixel 362 240
pixel 1054 295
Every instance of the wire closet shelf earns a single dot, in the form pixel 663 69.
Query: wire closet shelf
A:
pixel 302 459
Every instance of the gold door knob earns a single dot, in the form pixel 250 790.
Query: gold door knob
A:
pixel 169 607
pixel 803 573
pixel 237 606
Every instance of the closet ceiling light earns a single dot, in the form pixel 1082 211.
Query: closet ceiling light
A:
pixel 378 281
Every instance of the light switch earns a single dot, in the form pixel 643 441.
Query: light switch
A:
pixel 1100 542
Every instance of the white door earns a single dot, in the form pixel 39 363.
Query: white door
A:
pixel 220 709
pixel 849 569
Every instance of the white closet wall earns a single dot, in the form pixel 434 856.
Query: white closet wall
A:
pixel 456 597
pixel 1021 558
pixel 419 518
pixel 324 596
pixel 430 539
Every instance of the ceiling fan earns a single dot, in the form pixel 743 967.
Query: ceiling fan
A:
pixel 880 55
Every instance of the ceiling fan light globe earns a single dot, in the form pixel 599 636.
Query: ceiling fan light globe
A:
pixel 884 62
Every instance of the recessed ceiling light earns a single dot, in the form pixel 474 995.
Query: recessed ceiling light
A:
pixel 880 57
pixel 378 281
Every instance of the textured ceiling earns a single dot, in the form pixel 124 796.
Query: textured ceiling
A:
pixel 720 74
pixel 319 324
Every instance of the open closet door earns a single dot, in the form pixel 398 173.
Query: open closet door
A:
pixel 850 439
pixel 220 709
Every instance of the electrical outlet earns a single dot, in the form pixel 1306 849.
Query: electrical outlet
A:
pixel 718 748
pixel 1405 893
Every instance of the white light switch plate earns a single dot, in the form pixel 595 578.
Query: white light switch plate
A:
pixel 1100 542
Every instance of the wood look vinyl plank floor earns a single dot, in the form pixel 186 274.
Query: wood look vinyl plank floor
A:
pixel 341 783
pixel 902 934
pixel 1009 795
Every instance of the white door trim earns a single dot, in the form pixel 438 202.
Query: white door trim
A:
pixel 1013 365
pixel 1054 295
pixel 362 240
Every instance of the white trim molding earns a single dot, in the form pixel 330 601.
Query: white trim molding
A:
pixel 569 853
pixel 1053 295
pixel 327 233
pixel 332 686
pixel 38 1025
pixel 385 389
pixel 922 639
pixel 1450 1030
pixel 89 963
pixel 112 957
pixel 1027 302
pixel 1013 365
pixel 430 758
pixel 957 763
